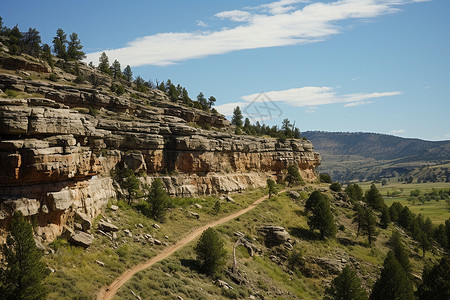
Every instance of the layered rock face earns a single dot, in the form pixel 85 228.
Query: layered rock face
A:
pixel 56 158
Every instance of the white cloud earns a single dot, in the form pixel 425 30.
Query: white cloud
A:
pixel 280 23
pixel 398 131
pixel 201 24
pixel 235 15
pixel 310 97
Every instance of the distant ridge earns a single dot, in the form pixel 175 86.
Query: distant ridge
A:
pixel 378 146
pixel 371 156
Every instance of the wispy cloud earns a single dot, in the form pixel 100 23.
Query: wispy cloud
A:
pixel 279 23
pixel 310 97
pixel 201 24
pixel 398 131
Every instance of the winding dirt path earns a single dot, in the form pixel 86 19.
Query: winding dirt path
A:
pixel 107 293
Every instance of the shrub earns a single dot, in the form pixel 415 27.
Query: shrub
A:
pixel 53 77
pixel 325 178
pixel 11 93
pixel 336 187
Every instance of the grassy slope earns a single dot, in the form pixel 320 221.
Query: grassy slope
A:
pixel 78 274
pixel 178 275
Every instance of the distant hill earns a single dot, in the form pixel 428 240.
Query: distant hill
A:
pixel 371 156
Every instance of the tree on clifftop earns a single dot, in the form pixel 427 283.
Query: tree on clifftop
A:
pixel 59 44
pixel 74 48
pixel 23 270
pixel 237 117
pixel 103 65
pixel 127 73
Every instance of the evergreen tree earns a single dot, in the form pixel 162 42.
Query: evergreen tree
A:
pixel 385 218
pixel 400 252
pixel 346 286
pixel 368 224
pixel 185 97
pixel 313 199
pixel 286 127
pixel 272 187
pixel 15 41
pixel 31 41
pixel 127 73
pixel 435 281
pixel 293 175
pixel 157 201
pixel 322 219
pixel 354 192
pixel 59 44
pixel 23 270
pixel 424 241
pixel 103 65
pixel 131 185
pixel 47 55
pixel 393 213
pixel 374 198
pixel 74 48
pixel 393 283
pixel 202 100
pixel 358 217
pixel 173 93
pixel 116 71
pixel 140 84
pixel 210 252
pixel 211 101
pixel 237 117
pixel 440 235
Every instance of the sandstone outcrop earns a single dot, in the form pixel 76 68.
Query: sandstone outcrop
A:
pixel 59 146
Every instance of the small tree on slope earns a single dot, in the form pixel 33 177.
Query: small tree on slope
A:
pixel 23 270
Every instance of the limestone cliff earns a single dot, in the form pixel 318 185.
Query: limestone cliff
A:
pixel 56 157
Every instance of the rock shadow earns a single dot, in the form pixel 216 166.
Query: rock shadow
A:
pixel 303 233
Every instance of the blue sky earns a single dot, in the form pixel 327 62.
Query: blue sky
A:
pixel 349 65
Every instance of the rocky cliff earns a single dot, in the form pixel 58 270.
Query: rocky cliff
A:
pixel 60 141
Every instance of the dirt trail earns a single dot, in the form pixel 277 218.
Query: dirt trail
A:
pixel 107 293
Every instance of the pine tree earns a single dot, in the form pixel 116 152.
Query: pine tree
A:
pixel 293 175
pixel 127 73
pixel 393 283
pixel 115 68
pixel 31 41
pixel 47 55
pixel 15 41
pixel 313 199
pixel 210 252
pixel 272 187
pixel 74 48
pixel 211 101
pixel 368 224
pixel 385 218
pixel 59 44
pixel 346 286
pixel 435 281
pixel 103 65
pixel 354 192
pixel 322 219
pixel 131 185
pixel 23 270
pixel 374 198
pixel 202 100
pixel 157 201
pixel 237 117
pixel 400 252
pixel 358 217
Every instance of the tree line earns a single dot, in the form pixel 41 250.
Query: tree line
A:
pixel 287 129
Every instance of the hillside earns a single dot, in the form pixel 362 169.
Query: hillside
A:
pixel 371 156
pixel 70 142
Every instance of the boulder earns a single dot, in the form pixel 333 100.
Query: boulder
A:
pixel 82 239
pixel 274 235
pixel 84 220
pixel 107 227
pixel 293 194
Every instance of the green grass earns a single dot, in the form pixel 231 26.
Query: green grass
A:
pixel 78 274
pixel 265 277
